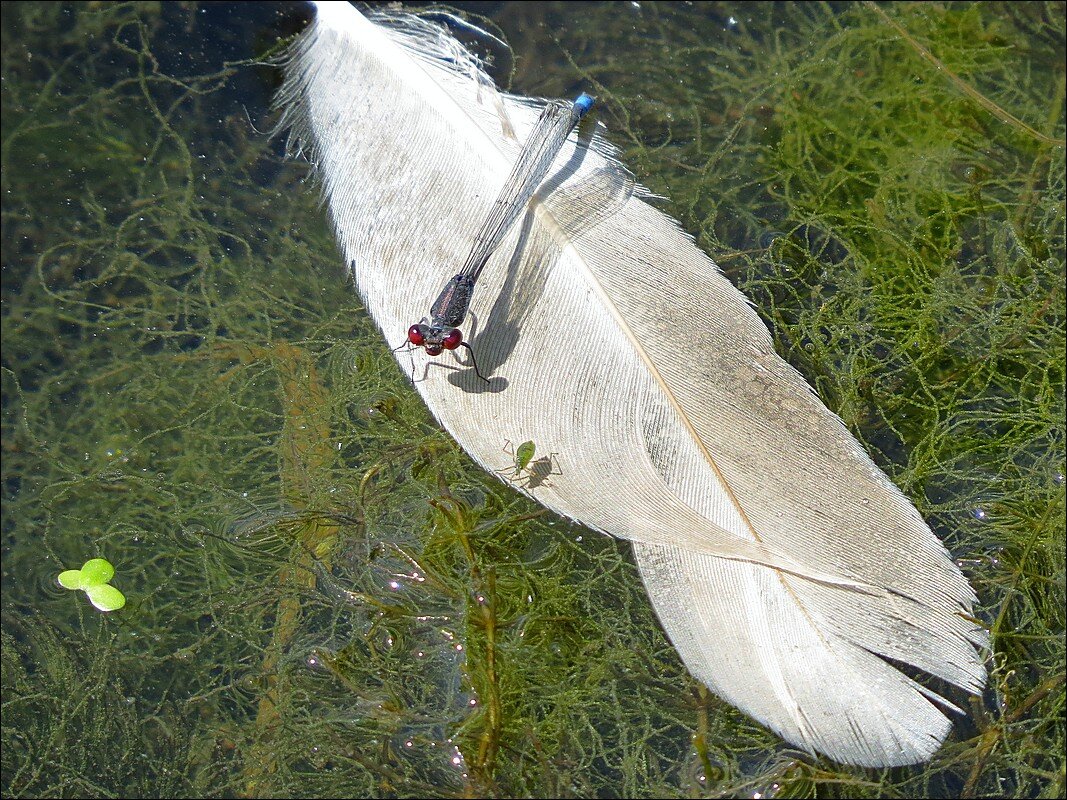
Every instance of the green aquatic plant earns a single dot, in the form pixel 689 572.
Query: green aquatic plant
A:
pixel 93 579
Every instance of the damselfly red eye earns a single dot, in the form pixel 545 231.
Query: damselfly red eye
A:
pixel 453 340
pixel 416 336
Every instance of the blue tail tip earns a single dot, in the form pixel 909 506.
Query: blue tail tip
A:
pixel 584 103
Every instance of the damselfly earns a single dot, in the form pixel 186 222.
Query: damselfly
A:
pixel 449 310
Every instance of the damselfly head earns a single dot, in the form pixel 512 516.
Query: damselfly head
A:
pixel 434 339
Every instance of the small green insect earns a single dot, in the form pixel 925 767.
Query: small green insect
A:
pixel 528 472
pixel 524 454
pixel 93 579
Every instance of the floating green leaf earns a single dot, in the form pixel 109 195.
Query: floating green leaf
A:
pixel 93 579
pixel 106 597
pixel 97 570
pixel 72 579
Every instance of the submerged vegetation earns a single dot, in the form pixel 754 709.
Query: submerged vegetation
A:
pixel 325 597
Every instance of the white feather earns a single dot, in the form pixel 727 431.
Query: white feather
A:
pixel 783 564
